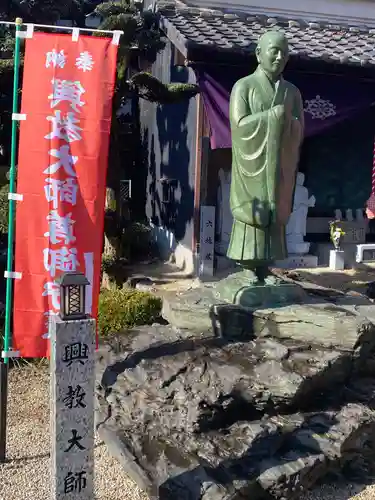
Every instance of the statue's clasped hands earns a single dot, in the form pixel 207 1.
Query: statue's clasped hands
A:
pixel 282 110
pixel 279 110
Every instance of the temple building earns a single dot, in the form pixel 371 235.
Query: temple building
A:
pixel 332 62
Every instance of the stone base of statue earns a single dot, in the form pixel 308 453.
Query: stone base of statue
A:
pixel 192 309
pixel 238 289
pixel 300 248
pixel 337 260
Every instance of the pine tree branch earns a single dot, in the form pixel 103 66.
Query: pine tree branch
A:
pixel 151 89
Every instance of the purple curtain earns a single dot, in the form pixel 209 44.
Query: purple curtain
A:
pixel 327 100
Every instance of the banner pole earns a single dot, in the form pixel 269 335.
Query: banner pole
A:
pixel 9 285
pixel 65 28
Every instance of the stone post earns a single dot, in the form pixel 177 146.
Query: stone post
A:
pixel 72 408
pixel 337 260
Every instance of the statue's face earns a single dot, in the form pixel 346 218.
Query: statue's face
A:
pixel 272 55
pixel 300 178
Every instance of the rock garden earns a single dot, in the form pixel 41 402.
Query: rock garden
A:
pixel 261 406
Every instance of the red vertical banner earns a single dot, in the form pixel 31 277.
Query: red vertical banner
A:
pixel 63 154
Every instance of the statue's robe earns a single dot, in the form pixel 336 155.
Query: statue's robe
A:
pixel 265 152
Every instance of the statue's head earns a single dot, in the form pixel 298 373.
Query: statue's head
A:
pixel 272 53
pixel 300 179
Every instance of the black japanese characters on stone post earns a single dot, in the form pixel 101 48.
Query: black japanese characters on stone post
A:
pixel 75 483
pixel 74 441
pixel 75 397
pixel 75 352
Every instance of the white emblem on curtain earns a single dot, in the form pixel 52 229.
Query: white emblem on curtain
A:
pixel 319 108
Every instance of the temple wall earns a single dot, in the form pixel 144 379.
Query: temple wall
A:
pixel 168 141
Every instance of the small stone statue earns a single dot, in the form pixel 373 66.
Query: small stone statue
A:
pixel 349 215
pixel 267 122
pixel 296 227
pixel 359 215
pixel 336 239
pixel 338 214
pixel 336 234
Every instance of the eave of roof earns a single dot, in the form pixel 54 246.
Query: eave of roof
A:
pixel 190 28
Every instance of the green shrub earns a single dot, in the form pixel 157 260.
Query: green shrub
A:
pixel 124 308
pixel 4 208
pixel 109 265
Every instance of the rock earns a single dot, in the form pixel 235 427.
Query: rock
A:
pixel 140 282
pixel 331 324
pixel 189 309
pixel 361 390
pixel 370 292
pixel 323 324
pixel 198 417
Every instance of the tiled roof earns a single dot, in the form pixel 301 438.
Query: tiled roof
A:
pixel 194 27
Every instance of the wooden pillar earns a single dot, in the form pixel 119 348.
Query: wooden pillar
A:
pixel 201 163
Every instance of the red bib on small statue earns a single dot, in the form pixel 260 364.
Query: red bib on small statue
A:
pixel 370 209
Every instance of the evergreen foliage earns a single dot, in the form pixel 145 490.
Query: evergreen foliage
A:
pixel 141 37
pixel 151 89
pixel 4 208
pixel 46 11
pixel 141 34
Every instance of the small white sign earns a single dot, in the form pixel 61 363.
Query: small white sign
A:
pixel 365 253
pixel 207 241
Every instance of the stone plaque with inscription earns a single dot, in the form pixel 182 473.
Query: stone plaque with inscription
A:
pixel 207 241
pixel 355 231
pixel 72 408
pixel 368 255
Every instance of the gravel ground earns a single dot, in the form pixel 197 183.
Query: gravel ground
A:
pixel 26 474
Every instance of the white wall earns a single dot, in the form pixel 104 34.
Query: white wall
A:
pixel 344 11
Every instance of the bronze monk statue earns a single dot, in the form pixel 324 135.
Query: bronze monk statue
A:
pixel 266 116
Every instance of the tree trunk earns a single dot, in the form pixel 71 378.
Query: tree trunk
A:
pixel 111 238
pixel 112 247
pixel 112 243
pixel 112 233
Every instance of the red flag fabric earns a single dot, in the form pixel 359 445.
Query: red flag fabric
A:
pixel 63 153
pixel 370 205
